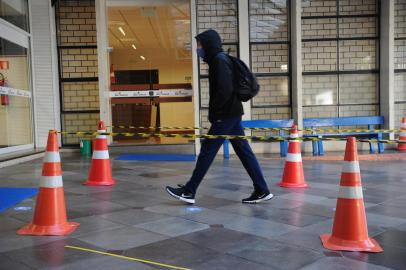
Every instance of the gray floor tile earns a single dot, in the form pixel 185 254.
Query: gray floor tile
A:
pixel 102 262
pixel 94 224
pixel 120 239
pixel 173 226
pixel 341 264
pixel 220 239
pixel 132 216
pixel 277 255
pixel 173 252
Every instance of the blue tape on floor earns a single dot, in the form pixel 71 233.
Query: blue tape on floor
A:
pixel 156 157
pixel 12 196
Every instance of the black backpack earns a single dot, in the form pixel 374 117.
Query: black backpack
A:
pixel 245 83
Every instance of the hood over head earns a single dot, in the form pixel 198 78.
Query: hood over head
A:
pixel 211 43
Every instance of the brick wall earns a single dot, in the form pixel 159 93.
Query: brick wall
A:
pixel 400 18
pixel 77 27
pixel 358 88
pixel 269 24
pixel 319 90
pixel 268 58
pixel 274 91
pixel 358 54
pixel 319 56
pixel 319 7
pixel 220 15
pixel 400 60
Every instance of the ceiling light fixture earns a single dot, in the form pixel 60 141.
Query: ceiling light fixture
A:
pixel 142 57
pixel 134 47
pixel 121 30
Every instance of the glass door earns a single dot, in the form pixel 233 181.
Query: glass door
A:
pixel 16 121
pixel 150 68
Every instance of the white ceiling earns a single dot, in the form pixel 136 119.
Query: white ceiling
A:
pixel 155 30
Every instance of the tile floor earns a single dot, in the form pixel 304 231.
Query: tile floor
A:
pixel 136 218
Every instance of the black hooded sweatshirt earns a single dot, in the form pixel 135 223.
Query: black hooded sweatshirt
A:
pixel 223 103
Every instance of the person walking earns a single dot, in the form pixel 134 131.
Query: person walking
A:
pixel 225 112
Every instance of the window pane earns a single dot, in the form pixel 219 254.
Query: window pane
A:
pixel 358 27
pixel 16 60
pixel 268 20
pixel 268 58
pixel 273 91
pixel 15 94
pixel 319 28
pixel 357 7
pixel 400 18
pixel 319 56
pixel 220 15
pixel 400 54
pixel 400 86
pixel 358 110
pixel 204 93
pixel 320 90
pixel 15 12
pixel 358 88
pixel 358 54
pixel 319 7
pixel 320 111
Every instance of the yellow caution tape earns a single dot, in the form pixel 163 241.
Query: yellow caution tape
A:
pixel 268 129
pixel 230 137
pixel 127 258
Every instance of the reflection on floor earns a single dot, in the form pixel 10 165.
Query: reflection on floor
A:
pixel 136 218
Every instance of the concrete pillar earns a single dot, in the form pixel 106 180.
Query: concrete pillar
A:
pixel 296 56
pixel 244 44
pixel 387 76
pixel 103 62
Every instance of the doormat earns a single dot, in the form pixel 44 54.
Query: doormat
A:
pixel 12 196
pixel 156 157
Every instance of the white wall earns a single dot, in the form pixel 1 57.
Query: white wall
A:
pixel 45 85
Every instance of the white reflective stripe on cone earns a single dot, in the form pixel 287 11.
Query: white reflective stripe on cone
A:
pixel 51 181
pixel 101 154
pixel 52 157
pixel 350 192
pixel 294 157
pixel 402 134
pixel 350 167
pixel 295 135
pixel 403 125
pixel 101 136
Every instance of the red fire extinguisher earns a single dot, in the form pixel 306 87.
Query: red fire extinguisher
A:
pixel 4 98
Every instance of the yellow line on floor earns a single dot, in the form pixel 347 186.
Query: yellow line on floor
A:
pixel 127 258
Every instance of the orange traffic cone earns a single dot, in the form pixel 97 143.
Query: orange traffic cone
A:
pixel 293 176
pixel 350 230
pixel 50 212
pixel 402 135
pixel 100 169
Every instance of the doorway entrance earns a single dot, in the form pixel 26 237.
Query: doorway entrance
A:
pixel 150 69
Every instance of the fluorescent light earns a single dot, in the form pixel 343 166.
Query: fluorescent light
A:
pixel 134 47
pixel 142 57
pixel 121 30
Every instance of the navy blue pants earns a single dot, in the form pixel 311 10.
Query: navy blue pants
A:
pixel 210 147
